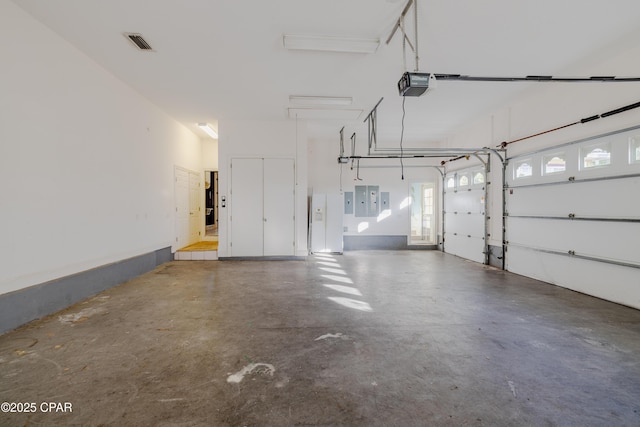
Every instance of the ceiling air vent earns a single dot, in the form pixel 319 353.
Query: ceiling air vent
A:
pixel 137 40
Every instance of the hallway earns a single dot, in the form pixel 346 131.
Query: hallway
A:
pixel 370 338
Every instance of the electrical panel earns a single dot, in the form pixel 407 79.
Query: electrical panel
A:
pixel 361 201
pixel 348 202
pixel 384 201
pixel 367 200
pixel 373 200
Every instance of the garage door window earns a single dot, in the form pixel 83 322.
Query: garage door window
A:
pixel 478 178
pixel 451 183
pixel 463 181
pixel 523 169
pixel 595 156
pixel 634 149
pixel 554 163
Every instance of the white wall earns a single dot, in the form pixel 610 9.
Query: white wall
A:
pixel 210 154
pixel 397 220
pixel 325 177
pixel 263 139
pixel 86 164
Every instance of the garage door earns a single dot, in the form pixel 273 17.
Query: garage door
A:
pixel 573 216
pixel 464 213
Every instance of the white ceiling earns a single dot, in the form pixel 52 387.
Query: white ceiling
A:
pixel 215 60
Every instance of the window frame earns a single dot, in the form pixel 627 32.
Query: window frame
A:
pixel 460 177
pixel 585 150
pixel 634 149
pixel 476 173
pixel 518 164
pixel 547 158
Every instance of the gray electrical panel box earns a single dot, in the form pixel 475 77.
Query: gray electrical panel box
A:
pixel 361 200
pixel 367 200
pixel 348 202
pixel 373 200
pixel 384 200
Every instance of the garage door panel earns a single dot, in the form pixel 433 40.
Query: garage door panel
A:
pixel 466 247
pixel 589 238
pixel 465 201
pixel 465 224
pixel 615 198
pixel 608 281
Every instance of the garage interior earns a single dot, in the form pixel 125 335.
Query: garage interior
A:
pixel 362 213
pixel 368 338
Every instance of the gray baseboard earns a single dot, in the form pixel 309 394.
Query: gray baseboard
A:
pixel 24 305
pixel 385 242
pixel 391 242
pixel 263 258
pixel 423 247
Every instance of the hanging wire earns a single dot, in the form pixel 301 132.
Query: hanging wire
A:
pixel 340 164
pixel 401 139
pixel 404 47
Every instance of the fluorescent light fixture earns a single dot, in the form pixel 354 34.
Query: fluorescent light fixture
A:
pixel 324 114
pixel 330 43
pixel 320 100
pixel 208 129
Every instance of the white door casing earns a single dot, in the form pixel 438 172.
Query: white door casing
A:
pixel 181 195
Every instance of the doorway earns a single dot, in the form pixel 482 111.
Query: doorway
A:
pixel 423 208
pixel 211 203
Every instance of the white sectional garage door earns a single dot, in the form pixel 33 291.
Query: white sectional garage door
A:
pixel 464 213
pixel 573 216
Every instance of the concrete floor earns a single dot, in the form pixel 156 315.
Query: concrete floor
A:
pixel 376 338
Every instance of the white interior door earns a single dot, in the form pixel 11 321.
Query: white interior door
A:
pixel 279 207
pixel 247 217
pixel 181 193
